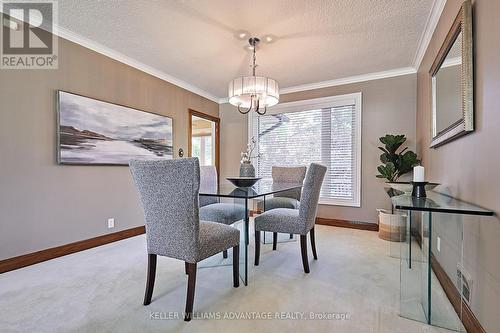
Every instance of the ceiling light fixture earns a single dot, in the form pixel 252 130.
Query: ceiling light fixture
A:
pixel 242 34
pixel 249 93
pixel 268 39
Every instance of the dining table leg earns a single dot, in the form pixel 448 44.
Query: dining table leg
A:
pixel 244 245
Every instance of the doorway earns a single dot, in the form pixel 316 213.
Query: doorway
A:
pixel 204 138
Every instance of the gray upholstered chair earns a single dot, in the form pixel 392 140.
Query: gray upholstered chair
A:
pixel 169 193
pixel 293 221
pixel 210 207
pixel 288 199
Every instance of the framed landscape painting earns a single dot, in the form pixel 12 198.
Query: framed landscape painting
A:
pixel 96 132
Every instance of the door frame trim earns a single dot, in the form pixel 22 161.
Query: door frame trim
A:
pixel 216 120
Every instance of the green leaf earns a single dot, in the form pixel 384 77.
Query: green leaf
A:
pixel 395 164
pixel 406 162
pixel 383 149
pixel 384 158
pixel 392 142
pixel 387 171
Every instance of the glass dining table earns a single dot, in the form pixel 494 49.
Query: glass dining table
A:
pixel 243 196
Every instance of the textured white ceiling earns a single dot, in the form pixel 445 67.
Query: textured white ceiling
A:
pixel 197 40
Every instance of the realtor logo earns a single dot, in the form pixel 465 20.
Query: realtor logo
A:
pixel 27 30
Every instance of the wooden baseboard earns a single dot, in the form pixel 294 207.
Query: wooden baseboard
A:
pixel 337 222
pixel 347 224
pixel 469 320
pixel 59 251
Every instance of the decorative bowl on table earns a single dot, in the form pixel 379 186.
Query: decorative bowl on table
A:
pixel 407 187
pixel 243 181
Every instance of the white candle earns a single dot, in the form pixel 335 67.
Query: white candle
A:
pixel 419 174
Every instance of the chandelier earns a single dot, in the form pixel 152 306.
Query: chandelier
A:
pixel 256 93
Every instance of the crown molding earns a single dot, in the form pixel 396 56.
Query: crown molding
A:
pixel 110 53
pixel 343 81
pixel 430 27
pixel 350 79
pixel 104 50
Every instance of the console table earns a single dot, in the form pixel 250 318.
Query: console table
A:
pixel 431 223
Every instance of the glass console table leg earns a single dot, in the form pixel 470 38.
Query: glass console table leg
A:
pixel 409 238
pixel 429 271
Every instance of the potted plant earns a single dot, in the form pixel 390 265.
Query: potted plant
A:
pixel 396 161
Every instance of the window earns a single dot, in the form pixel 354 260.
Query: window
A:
pixel 202 148
pixel 204 135
pixel 323 130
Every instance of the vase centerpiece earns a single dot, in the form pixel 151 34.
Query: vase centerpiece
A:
pixel 246 167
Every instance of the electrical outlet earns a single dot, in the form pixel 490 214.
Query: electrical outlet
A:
pixel 111 223
pixel 439 244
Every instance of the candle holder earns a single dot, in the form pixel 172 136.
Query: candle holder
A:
pixel 419 189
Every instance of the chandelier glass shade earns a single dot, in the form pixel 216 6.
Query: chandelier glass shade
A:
pixel 247 90
pixel 253 92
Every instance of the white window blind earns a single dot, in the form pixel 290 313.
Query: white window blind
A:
pixel 325 131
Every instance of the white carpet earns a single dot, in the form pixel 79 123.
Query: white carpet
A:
pixel 101 290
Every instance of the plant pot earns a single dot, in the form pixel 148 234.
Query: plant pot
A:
pixel 391 227
pixel 247 170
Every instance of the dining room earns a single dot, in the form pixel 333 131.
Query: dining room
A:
pixel 305 166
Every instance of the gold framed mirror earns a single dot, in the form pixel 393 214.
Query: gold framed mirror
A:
pixel 452 83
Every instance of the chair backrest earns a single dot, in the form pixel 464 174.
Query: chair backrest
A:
pixel 169 193
pixel 289 175
pixel 208 183
pixel 310 194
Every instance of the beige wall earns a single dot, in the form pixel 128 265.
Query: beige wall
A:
pixel 389 106
pixel 469 166
pixel 43 204
pixel 233 139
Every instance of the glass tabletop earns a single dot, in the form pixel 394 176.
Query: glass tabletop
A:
pixel 263 187
pixel 437 202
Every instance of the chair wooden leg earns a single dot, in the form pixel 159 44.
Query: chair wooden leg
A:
pixel 313 244
pixel 236 266
pixel 257 247
pixel 150 283
pixel 190 291
pixel 303 249
pixel 275 240
pixel 186 268
pixel 224 254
